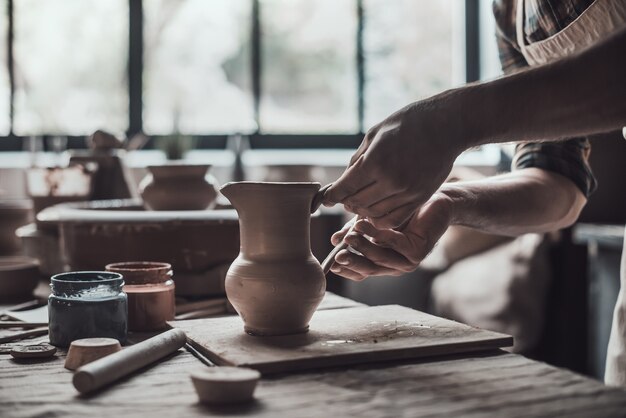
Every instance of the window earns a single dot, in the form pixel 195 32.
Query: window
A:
pixel 267 68
pixel 197 73
pixel 70 66
pixel 408 53
pixel 5 84
pixel 308 66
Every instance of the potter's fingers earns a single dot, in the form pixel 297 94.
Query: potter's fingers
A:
pixel 390 203
pixel 396 217
pixel 361 201
pixel 351 181
pixel 412 247
pixel 346 273
pixel 362 265
pixel 389 238
pixel 338 236
pixel 381 256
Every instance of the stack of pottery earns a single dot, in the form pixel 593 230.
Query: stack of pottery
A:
pixel 178 187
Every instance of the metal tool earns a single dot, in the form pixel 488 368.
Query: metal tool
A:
pixel 203 359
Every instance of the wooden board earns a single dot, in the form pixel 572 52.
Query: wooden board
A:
pixel 339 337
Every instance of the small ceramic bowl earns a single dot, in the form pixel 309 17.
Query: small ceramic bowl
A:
pixel 86 350
pixel 225 385
pixel 18 277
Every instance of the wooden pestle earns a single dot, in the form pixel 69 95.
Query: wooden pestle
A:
pixel 108 369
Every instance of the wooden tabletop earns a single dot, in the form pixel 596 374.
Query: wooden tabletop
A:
pixel 479 385
pixel 490 384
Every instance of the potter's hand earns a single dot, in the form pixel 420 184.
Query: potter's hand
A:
pixel 400 164
pixel 392 252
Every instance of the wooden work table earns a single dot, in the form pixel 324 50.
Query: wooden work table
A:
pixel 494 383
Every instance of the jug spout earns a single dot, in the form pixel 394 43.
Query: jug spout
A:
pixel 231 191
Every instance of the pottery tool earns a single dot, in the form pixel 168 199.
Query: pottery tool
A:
pixel 339 337
pixel 108 369
pixel 24 334
pixel 22 306
pixel 198 355
pixel 330 258
pixel 20 324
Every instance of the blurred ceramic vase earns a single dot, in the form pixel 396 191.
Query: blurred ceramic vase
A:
pixel 178 187
pixel 275 284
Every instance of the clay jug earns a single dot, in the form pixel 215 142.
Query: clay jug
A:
pixel 178 187
pixel 275 284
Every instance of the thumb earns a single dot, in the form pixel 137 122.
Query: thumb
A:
pixel 351 181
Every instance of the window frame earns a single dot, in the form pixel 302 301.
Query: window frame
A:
pixel 258 139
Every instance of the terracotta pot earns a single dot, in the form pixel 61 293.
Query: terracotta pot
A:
pixel 150 291
pixel 178 187
pixel 275 284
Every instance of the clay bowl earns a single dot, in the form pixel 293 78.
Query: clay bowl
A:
pixel 87 350
pixel 18 277
pixel 225 385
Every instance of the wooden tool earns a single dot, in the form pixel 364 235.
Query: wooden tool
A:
pixel 20 324
pixel 339 337
pixel 330 258
pixel 24 334
pixel 108 369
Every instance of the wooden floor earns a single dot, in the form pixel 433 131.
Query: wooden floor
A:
pixel 489 384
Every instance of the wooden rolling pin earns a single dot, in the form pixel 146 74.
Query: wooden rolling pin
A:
pixel 108 369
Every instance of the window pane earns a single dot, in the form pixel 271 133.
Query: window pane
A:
pixel 308 77
pixel 5 85
pixel 197 67
pixel 70 66
pixel 408 53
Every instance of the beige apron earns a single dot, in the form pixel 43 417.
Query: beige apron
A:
pixel 601 18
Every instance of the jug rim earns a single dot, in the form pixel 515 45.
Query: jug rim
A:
pixel 281 184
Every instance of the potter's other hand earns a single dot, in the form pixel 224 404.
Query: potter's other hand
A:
pixel 391 252
pixel 400 164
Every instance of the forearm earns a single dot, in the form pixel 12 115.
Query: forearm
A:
pixel 524 201
pixel 579 95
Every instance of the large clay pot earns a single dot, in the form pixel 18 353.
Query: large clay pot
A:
pixel 178 187
pixel 275 284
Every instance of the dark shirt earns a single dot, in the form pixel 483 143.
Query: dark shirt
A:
pixel 542 19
